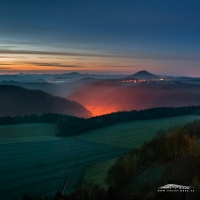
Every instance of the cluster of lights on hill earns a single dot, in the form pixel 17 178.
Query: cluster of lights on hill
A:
pixel 139 81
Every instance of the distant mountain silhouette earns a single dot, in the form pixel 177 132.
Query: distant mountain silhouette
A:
pixel 143 75
pixel 16 100
pixel 65 77
pixel 70 75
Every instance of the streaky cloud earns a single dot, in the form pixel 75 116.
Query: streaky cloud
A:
pixel 24 52
pixel 120 66
pixel 122 54
pixel 4 64
pixel 4 68
pixel 52 64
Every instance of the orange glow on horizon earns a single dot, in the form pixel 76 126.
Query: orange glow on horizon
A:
pixel 100 110
pixel 24 63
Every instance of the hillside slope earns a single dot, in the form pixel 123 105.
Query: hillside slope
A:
pixel 16 100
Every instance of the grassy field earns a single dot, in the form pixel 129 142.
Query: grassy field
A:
pixel 35 161
pixel 97 173
pixel 27 130
pixel 27 133
pixel 130 134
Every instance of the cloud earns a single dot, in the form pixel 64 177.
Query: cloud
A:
pixel 107 54
pixel 121 66
pixel 6 57
pixel 167 57
pixel 8 47
pixel 53 64
pixel 27 52
pixel 11 42
pixel 3 68
pixel 5 64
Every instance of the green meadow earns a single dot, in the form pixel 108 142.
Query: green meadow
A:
pixel 35 161
pixel 132 134
pixel 129 135
pixel 27 132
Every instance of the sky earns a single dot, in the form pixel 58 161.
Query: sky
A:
pixel 107 36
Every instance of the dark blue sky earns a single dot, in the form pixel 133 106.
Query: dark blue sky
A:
pixel 162 36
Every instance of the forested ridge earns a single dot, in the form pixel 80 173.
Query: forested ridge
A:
pixel 33 118
pixel 68 127
pixel 18 101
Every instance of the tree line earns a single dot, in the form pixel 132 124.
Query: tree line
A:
pixel 70 125
pixel 69 128
pixel 45 118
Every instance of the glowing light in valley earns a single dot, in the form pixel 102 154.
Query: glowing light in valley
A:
pixel 100 110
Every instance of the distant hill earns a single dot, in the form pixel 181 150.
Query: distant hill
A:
pixel 16 100
pixel 68 77
pixel 143 75
pixel 72 75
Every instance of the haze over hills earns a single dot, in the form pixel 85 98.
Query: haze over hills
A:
pixel 102 94
pixel 19 101
pixel 102 98
pixel 62 89
pixel 55 78
pixel 75 77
